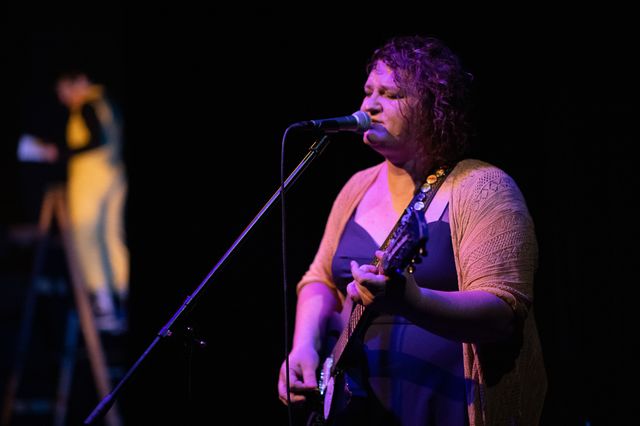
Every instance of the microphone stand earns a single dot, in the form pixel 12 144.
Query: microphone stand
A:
pixel 103 406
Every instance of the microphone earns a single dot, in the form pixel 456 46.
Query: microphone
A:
pixel 357 122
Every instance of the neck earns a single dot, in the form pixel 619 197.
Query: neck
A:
pixel 400 180
pixel 411 173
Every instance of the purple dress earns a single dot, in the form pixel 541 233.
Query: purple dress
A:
pixel 411 376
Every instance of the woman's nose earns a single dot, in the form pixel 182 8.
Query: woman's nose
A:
pixel 371 105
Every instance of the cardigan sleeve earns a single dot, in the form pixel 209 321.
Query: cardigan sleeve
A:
pixel 494 235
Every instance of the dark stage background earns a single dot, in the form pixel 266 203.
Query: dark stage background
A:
pixel 207 95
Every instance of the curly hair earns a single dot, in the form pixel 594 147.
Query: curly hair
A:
pixel 426 68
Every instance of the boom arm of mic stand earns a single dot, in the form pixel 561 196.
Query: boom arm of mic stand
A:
pixel 103 406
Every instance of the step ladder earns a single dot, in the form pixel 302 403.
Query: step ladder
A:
pixel 79 318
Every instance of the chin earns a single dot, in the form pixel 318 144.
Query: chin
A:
pixel 372 139
pixel 380 142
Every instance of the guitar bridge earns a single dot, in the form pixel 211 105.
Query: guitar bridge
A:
pixel 325 375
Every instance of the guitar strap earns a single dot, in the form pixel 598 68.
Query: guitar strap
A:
pixel 420 201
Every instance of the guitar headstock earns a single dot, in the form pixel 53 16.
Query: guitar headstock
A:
pixel 408 242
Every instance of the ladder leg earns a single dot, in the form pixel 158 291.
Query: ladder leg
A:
pixel 28 312
pixel 67 366
pixel 87 323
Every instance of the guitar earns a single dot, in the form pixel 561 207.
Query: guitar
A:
pixel 404 247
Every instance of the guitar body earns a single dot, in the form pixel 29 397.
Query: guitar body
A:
pixel 334 396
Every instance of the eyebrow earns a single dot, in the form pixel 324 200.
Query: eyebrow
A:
pixel 383 87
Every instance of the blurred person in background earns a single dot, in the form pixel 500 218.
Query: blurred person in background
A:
pixel 96 184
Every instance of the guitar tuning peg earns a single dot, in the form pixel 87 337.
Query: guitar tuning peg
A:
pixel 411 269
pixel 416 259
pixel 422 251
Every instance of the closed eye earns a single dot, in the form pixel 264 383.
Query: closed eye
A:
pixel 394 95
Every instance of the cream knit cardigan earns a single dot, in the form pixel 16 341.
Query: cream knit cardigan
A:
pixel 495 250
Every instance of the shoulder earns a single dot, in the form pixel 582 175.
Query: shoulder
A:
pixel 354 188
pixel 474 169
pixel 477 176
pixel 476 183
pixel 360 180
pixel 102 109
pixel 88 108
pixel 364 176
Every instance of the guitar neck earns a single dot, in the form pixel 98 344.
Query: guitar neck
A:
pixel 356 320
pixel 354 325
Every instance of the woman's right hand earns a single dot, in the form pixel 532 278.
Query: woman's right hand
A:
pixel 303 363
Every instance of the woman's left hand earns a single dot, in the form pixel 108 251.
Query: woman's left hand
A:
pixel 367 285
pixel 390 294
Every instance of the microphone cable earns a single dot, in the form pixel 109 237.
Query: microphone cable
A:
pixel 285 286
